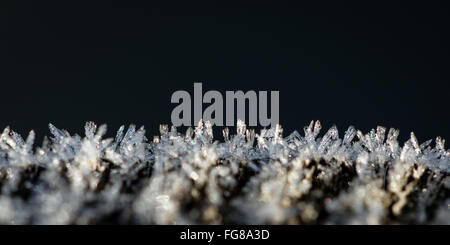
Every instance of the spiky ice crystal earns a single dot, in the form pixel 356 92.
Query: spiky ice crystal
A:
pixel 247 179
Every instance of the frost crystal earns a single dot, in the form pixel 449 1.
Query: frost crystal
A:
pixel 247 179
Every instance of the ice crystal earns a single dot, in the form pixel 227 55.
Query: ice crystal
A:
pixel 248 178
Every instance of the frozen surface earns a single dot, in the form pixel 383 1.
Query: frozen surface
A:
pixel 248 178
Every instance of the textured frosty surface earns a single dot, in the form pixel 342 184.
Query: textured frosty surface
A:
pixel 247 179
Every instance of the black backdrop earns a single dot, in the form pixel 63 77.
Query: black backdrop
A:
pixel 119 62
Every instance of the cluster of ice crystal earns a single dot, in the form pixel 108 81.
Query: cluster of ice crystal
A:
pixel 247 179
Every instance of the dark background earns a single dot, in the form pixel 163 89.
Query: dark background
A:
pixel 119 62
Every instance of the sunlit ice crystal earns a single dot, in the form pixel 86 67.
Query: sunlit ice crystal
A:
pixel 246 178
